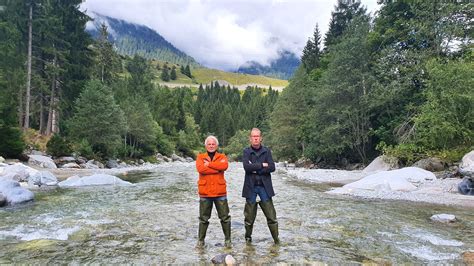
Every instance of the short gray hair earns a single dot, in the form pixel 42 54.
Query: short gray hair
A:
pixel 211 137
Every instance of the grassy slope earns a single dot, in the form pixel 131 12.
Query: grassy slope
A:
pixel 206 75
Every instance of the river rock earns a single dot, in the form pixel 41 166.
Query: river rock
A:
pixel 44 178
pixel 24 172
pixel 430 164
pixel 36 152
pixel 64 160
pixel 225 258
pixel 42 161
pixel 2 160
pixel 466 168
pixel 93 180
pixel 3 200
pixel 13 192
pixel 111 163
pixel 93 164
pixel 381 163
pixel 466 187
pixel 468 257
pixel 396 180
pixel 443 218
pixel 70 165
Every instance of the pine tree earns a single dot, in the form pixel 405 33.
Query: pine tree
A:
pixel 312 52
pixel 187 71
pixel 165 76
pixel 173 73
pixel 340 19
pixel 98 119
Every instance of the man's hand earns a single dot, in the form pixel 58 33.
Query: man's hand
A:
pixel 264 165
pixel 206 163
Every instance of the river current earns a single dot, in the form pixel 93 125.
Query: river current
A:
pixel 156 220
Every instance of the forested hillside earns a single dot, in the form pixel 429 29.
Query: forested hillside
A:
pixel 283 67
pixel 400 83
pixel 87 99
pixel 130 39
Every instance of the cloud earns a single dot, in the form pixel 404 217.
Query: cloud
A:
pixel 225 34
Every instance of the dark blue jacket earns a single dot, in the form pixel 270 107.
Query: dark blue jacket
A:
pixel 252 161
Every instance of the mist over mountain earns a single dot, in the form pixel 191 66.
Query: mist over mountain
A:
pixel 283 68
pixel 130 39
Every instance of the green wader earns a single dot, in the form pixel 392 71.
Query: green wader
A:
pixel 250 212
pixel 270 213
pixel 205 209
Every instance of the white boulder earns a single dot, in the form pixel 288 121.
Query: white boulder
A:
pixel 43 178
pixel 396 180
pixel 71 165
pixel 24 172
pixel 13 192
pixel 93 180
pixel 467 164
pixel 42 161
pixel 443 218
pixel 381 163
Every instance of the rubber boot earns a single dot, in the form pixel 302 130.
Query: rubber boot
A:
pixel 250 212
pixel 270 213
pixel 205 208
pixel 223 212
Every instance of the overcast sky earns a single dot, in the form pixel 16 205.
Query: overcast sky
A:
pixel 225 34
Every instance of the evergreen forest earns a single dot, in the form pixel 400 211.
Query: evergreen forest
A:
pixel 399 82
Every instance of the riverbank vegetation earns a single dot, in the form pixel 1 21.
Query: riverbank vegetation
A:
pixel 399 82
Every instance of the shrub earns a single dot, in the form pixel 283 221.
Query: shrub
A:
pixel 58 146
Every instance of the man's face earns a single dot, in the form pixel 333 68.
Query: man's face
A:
pixel 211 145
pixel 255 139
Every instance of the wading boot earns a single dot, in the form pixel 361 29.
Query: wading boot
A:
pixel 223 212
pixel 205 208
pixel 250 212
pixel 270 213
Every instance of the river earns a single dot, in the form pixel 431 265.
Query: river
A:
pixel 155 221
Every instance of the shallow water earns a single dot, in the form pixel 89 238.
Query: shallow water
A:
pixel 155 221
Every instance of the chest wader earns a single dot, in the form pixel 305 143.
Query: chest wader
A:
pixel 250 212
pixel 270 213
pixel 205 208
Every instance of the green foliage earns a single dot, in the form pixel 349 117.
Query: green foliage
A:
pixel 312 52
pixel 12 144
pixel 58 146
pixel 237 144
pixel 173 73
pixel 165 76
pixel 447 117
pixel 98 119
pixel 83 148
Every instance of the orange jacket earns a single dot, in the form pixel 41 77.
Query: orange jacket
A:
pixel 211 181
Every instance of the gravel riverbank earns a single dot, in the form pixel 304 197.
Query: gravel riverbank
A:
pixel 439 191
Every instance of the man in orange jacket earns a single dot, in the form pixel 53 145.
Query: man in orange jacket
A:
pixel 212 189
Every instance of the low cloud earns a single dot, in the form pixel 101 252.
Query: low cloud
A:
pixel 226 34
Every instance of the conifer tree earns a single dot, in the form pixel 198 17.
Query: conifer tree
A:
pixel 165 76
pixel 312 52
pixel 173 73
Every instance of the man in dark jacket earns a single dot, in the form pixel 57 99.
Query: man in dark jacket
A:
pixel 258 164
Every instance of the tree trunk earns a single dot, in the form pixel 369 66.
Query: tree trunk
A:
pixel 20 108
pixel 26 124
pixel 42 128
pixel 49 128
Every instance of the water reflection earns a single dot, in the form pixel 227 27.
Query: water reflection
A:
pixel 155 221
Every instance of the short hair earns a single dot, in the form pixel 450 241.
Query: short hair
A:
pixel 211 137
pixel 255 129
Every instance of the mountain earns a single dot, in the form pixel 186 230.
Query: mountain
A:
pixel 130 39
pixel 282 68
